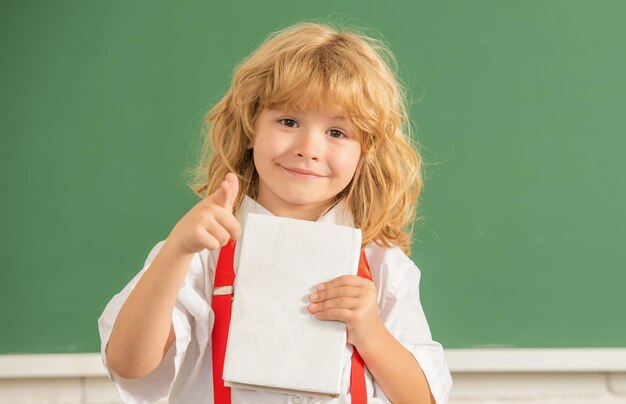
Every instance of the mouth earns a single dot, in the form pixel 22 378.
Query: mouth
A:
pixel 300 173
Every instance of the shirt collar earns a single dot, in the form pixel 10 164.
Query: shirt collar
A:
pixel 339 214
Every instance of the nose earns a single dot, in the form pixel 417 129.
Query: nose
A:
pixel 309 145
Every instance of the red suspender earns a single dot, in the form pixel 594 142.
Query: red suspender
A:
pixel 357 374
pixel 221 304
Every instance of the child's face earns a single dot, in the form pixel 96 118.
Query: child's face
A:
pixel 304 159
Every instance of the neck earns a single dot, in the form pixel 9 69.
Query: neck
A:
pixel 296 211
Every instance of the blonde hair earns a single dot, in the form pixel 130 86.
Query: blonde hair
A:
pixel 311 65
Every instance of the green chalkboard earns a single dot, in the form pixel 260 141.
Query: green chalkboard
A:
pixel 516 105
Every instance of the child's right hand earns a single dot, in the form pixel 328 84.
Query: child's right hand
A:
pixel 210 223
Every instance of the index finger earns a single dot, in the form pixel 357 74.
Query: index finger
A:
pixel 344 280
pixel 229 222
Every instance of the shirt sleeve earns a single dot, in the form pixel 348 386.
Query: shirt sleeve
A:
pixel 158 383
pixel 403 315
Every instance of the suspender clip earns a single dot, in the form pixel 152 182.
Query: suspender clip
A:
pixel 223 290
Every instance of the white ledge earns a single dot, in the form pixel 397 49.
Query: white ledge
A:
pixel 52 365
pixel 537 360
pixel 491 360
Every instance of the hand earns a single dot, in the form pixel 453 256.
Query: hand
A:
pixel 350 299
pixel 210 223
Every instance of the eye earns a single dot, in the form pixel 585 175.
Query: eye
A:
pixel 337 134
pixel 289 122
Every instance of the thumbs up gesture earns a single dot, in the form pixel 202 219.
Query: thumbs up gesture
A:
pixel 227 192
pixel 210 223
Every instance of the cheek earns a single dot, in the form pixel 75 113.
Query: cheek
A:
pixel 262 154
pixel 348 161
pixel 268 147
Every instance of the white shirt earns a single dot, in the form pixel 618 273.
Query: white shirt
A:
pixel 185 372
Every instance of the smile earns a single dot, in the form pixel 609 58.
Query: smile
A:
pixel 302 173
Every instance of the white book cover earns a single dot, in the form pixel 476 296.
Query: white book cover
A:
pixel 274 342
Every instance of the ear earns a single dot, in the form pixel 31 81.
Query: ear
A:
pixel 250 144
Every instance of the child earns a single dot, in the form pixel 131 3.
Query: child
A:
pixel 314 127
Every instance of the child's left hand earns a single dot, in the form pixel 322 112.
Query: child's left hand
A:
pixel 350 299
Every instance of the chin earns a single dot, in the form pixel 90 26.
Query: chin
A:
pixel 301 198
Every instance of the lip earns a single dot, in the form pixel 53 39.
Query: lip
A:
pixel 298 172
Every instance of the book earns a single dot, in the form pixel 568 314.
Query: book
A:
pixel 274 342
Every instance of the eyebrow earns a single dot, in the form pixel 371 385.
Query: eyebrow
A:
pixel 338 118
pixel 279 111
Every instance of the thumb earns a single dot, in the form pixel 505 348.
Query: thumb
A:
pixel 226 194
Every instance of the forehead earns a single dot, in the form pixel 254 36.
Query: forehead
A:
pixel 312 95
pixel 331 109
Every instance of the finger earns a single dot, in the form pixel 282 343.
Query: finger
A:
pixel 345 280
pixel 331 293
pixel 336 314
pixel 220 196
pixel 228 222
pixel 232 191
pixel 348 303
pixel 210 242
pixel 226 194
pixel 215 229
